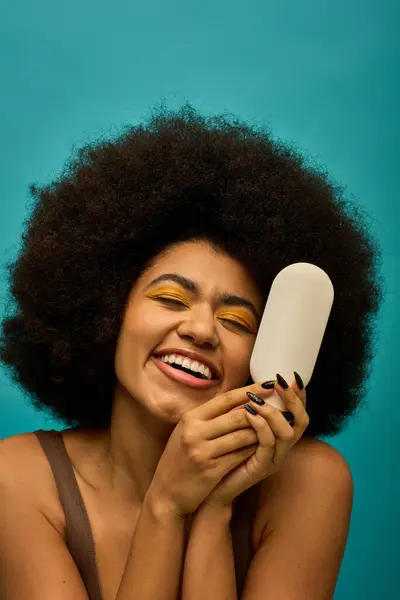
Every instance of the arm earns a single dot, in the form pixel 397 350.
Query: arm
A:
pixel 35 562
pixel 155 560
pixel 209 570
pixel 309 507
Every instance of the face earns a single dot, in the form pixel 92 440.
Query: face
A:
pixel 188 330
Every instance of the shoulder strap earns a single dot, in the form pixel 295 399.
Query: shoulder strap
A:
pixel 79 533
pixel 78 530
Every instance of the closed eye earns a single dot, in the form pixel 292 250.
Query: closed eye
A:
pixel 171 300
pixel 237 325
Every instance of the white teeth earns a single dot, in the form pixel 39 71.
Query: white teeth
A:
pixel 187 364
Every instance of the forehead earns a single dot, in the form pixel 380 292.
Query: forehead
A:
pixel 214 271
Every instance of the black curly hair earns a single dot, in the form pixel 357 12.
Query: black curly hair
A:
pixel 178 176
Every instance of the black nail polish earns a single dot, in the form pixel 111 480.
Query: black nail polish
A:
pixel 281 381
pixel 288 415
pixel 255 398
pixel 268 385
pixel 299 380
pixel 250 410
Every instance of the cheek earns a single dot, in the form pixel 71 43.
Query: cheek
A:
pixel 237 362
pixel 136 340
pixel 145 327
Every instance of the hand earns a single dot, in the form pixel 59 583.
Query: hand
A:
pixel 274 437
pixel 206 444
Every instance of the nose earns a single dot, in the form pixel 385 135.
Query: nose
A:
pixel 199 328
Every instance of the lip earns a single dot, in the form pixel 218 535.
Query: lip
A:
pixel 193 356
pixel 182 377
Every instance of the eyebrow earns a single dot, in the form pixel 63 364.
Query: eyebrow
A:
pixel 191 286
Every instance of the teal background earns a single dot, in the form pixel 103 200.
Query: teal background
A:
pixel 321 74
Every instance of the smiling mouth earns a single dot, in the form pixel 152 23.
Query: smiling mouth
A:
pixel 189 371
pixel 184 375
pixel 190 366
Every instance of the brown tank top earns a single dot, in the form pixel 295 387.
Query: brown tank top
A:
pixel 79 535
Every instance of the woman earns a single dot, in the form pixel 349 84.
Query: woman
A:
pixel 139 288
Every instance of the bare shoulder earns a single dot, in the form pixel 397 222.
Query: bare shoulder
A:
pixel 19 460
pixel 29 518
pixel 25 471
pixel 314 454
pixel 310 465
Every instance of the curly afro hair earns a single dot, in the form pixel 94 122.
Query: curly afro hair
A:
pixel 179 176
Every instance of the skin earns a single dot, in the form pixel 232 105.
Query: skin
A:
pixel 311 492
pixel 148 404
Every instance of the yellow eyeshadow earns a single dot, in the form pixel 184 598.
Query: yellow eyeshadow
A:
pixel 168 292
pixel 241 317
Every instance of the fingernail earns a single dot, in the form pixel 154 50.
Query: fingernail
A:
pixel 250 410
pixel 281 381
pixel 288 415
pixel 268 385
pixel 255 398
pixel 299 380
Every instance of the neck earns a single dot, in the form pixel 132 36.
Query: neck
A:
pixel 136 440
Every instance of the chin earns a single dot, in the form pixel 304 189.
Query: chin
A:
pixel 166 410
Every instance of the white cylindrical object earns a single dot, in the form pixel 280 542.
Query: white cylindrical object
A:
pixel 293 326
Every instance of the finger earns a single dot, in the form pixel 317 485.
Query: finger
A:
pixel 230 461
pixel 300 391
pixel 231 441
pixel 231 421
pixel 283 433
pixel 266 448
pixel 292 403
pixel 222 403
